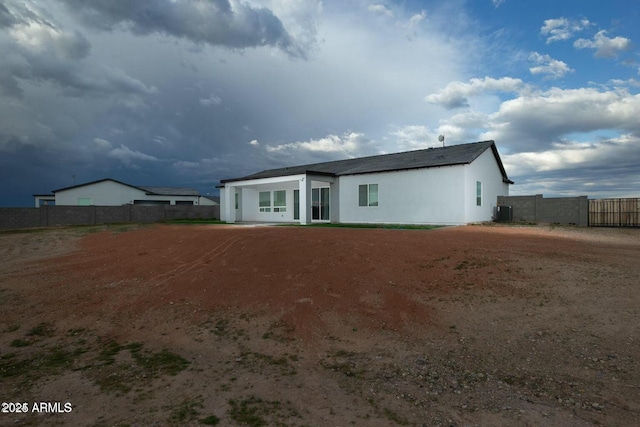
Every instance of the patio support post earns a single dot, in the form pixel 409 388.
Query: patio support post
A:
pixel 230 203
pixel 305 200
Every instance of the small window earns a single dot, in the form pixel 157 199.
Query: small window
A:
pixel 84 201
pixel 373 194
pixel 363 199
pixel 368 195
pixel 237 198
pixel 478 193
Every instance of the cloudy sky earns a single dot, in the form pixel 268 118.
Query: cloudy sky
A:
pixel 188 92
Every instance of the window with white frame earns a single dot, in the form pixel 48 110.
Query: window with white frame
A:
pixel 265 201
pixel 478 193
pixel 368 195
pixel 280 201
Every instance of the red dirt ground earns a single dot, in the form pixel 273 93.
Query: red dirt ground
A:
pixel 476 325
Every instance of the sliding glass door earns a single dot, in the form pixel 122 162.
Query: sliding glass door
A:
pixel 320 204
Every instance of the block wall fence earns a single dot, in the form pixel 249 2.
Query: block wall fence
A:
pixel 556 210
pixel 50 216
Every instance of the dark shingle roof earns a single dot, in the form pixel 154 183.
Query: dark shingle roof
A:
pixel 418 159
pixel 171 191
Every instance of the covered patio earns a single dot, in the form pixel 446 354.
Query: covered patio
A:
pixel 302 198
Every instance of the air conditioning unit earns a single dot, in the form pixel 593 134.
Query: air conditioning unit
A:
pixel 504 213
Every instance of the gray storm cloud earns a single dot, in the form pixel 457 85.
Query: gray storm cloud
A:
pixel 216 22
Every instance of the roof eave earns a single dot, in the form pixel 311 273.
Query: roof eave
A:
pixel 287 173
pixel 505 177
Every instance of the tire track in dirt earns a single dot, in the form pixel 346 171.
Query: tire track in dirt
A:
pixel 183 268
pixel 140 292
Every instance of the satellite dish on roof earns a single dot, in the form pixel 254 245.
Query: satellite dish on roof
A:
pixel 441 139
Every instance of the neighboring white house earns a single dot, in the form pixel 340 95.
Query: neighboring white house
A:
pixel 458 184
pixel 109 192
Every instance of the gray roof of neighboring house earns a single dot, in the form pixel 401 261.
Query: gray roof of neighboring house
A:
pixel 159 191
pixel 418 159
pixel 171 191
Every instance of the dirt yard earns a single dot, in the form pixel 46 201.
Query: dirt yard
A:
pixel 294 326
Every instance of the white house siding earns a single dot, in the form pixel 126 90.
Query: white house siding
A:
pixel 486 170
pixel 110 193
pixel 105 193
pixel 417 196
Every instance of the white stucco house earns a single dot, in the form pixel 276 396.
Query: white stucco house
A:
pixel 110 192
pixel 451 185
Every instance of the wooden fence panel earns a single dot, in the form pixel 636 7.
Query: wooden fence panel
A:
pixel 614 213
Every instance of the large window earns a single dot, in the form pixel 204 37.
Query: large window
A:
pixel 280 201
pixel 265 201
pixel 478 193
pixel 368 195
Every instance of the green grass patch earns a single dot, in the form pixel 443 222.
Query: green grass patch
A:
pixel 42 330
pixel 162 362
pixel 250 411
pixel 383 226
pixel 211 420
pixel 12 328
pixel 187 411
pixel 113 228
pixel 57 357
pixel 255 412
pixel 109 350
pixel 23 230
pixel 11 366
pixel 114 367
pixel 195 221
pixel 52 360
pixel 112 376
